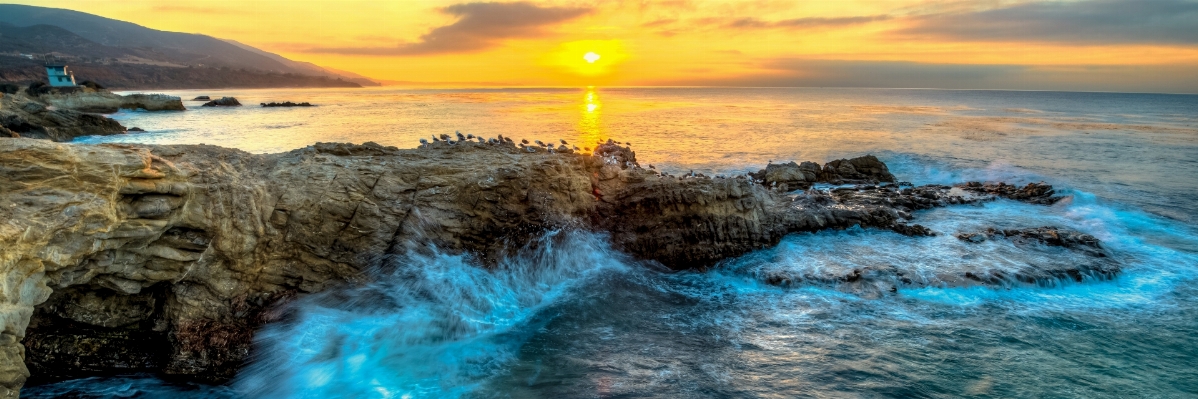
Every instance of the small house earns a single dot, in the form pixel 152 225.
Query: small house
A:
pixel 60 76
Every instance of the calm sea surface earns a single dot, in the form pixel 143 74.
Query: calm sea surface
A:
pixel 577 319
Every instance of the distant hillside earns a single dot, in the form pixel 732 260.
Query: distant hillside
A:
pixel 145 77
pixel 78 38
pixel 308 67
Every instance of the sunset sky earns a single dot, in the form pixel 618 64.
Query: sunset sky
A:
pixel 1114 45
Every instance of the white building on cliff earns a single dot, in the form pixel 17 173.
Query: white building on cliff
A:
pixel 60 76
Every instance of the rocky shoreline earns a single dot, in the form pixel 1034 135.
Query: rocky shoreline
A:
pixel 130 258
pixel 62 114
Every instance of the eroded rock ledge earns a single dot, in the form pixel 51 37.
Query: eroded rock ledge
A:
pixel 123 258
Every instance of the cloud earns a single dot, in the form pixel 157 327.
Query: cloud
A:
pixel 1080 22
pixel 798 72
pixel 479 26
pixel 802 23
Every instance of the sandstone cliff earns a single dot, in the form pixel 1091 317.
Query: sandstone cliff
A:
pixel 167 258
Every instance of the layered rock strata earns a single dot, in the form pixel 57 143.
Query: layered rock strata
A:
pixel 124 258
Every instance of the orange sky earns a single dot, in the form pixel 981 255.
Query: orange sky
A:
pixel 1124 45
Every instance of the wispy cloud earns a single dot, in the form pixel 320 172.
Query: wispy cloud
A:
pixel 1079 22
pixel 802 23
pixel 801 72
pixel 479 26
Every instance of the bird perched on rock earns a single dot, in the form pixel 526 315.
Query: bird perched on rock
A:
pixel 575 148
pixel 451 142
pixel 563 142
pixel 470 136
pixel 651 167
pixel 480 139
pixel 530 149
pixel 435 140
pixel 525 141
pixel 540 143
pixel 501 137
pixel 461 137
pixel 423 142
pixel 445 137
pixel 550 146
pixel 508 139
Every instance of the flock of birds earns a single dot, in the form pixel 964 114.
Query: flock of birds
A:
pixel 538 145
pixel 564 147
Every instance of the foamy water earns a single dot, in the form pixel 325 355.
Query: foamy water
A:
pixel 573 318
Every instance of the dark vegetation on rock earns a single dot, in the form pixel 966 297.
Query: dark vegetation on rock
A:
pixel 167 258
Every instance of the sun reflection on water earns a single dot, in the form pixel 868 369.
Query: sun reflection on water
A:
pixel 589 128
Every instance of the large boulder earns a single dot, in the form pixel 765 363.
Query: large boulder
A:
pixel 792 174
pixel 223 102
pixel 866 169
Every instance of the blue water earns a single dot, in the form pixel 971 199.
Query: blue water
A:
pixel 574 318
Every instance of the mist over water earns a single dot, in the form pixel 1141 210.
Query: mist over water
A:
pixel 570 317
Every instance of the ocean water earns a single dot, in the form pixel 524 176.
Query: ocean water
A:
pixel 575 318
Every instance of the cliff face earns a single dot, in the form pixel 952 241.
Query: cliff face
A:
pixel 167 258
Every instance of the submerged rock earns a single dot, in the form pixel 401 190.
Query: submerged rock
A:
pixel 286 104
pixel 167 258
pixel 223 102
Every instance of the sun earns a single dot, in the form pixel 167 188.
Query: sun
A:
pixel 591 57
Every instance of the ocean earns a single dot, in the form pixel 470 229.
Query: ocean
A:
pixel 575 318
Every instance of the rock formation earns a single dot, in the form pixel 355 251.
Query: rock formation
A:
pixel 21 116
pixel 223 102
pixel 105 102
pixel 123 258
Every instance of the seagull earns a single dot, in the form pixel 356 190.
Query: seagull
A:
pixel 470 136
pixel 530 149
pixel 451 142
pixel 423 142
pixel 563 142
pixel 501 137
pixel 445 137
pixel 651 167
pixel 575 148
pixel 525 141
pixel 480 139
pixel 540 143
pixel 460 136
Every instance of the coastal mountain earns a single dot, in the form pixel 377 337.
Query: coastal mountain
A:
pixel 120 48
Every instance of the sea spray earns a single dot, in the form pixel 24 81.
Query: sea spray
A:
pixel 435 326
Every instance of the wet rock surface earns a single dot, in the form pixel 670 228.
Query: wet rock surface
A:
pixel 189 249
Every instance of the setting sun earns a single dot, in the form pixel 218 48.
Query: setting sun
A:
pixel 591 57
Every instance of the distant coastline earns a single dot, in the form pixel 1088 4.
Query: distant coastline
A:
pixel 122 76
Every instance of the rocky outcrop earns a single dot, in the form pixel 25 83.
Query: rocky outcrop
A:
pixel 202 98
pixel 21 116
pixel 223 102
pixel 105 102
pixel 864 170
pixel 166 258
